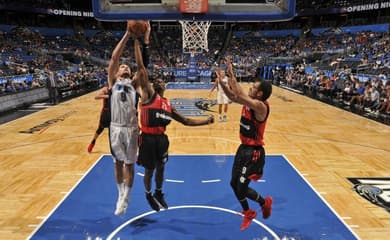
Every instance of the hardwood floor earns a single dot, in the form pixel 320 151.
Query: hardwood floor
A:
pixel 325 143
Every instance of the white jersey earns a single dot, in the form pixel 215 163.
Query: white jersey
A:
pixel 123 104
pixel 225 81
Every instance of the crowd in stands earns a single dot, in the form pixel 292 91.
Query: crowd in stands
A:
pixel 28 56
pixel 330 66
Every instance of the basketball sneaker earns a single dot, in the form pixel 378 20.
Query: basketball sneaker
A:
pixel 90 147
pixel 249 215
pixel 224 118
pixel 152 202
pixel 159 196
pixel 266 208
pixel 122 206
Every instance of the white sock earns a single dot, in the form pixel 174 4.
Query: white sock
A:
pixel 120 188
pixel 127 191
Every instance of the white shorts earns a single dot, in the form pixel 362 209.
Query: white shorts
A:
pixel 124 143
pixel 222 98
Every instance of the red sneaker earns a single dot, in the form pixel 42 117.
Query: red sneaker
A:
pixel 90 147
pixel 249 215
pixel 267 207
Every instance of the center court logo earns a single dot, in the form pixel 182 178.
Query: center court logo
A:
pixel 375 190
pixel 205 105
pixel 193 107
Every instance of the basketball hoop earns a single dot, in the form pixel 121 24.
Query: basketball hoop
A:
pixel 194 32
pixel 195 35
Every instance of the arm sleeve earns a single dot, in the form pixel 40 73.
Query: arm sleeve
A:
pixel 145 55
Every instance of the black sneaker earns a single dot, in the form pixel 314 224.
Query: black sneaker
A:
pixel 152 202
pixel 159 196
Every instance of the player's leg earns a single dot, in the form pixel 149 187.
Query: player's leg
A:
pixel 162 159
pixel 104 122
pixel 148 180
pixel 158 194
pixel 98 131
pixel 148 189
pixel 118 172
pixel 130 148
pixel 225 109
pixel 146 158
pixel 241 188
pixel 255 167
pixel 117 154
pixel 128 179
pixel 220 103
pixel 124 155
pixel 265 203
pixel 220 113
pixel 239 183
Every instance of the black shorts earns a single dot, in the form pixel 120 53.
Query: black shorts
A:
pixel 153 150
pixel 104 121
pixel 249 160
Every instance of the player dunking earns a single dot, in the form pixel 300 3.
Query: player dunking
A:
pixel 250 157
pixel 124 129
pixel 156 114
pixel 104 121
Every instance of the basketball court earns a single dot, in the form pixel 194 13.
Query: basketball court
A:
pixel 201 204
pixel 52 188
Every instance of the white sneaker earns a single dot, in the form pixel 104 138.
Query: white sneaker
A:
pixel 220 119
pixel 122 207
pixel 224 118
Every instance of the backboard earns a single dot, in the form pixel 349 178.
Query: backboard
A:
pixel 216 10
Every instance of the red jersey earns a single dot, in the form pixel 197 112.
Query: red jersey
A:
pixel 156 114
pixel 251 130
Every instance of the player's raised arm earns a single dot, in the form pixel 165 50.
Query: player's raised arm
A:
pixel 145 45
pixel 115 57
pixel 232 80
pixel 142 74
pixel 238 94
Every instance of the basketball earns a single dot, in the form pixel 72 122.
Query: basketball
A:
pixel 136 27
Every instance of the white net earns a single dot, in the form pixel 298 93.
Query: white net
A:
pixel 195 36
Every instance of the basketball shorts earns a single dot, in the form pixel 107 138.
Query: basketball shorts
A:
pixel 249 160
pixel 222 98
pixel 153 150
pixel 124 143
